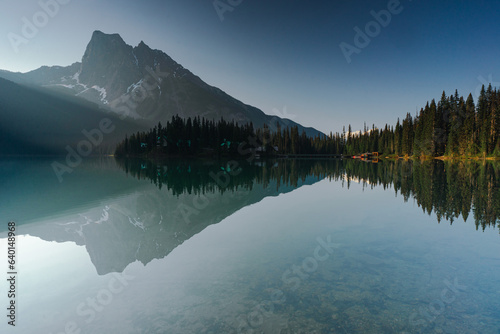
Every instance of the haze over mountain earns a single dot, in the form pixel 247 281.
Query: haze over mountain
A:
pixel 37 121
pixel 144 84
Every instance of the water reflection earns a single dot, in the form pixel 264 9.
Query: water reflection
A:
pixel 121 219
pixel 449 189
pixel 203 246
pixel 200 176
pixel 145 222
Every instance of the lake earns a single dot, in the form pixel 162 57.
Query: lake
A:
pixel 279 246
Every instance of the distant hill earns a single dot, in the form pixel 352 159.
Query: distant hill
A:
pixel 146 84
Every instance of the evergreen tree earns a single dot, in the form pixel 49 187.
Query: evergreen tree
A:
pixel 482 122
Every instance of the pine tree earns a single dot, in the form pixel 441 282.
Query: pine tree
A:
pixel 398 138
pixel 406 142
pixel 481 122
pixel 418 143
pixel 496 124
pixel 433 136
pixel 442 125
pixel 492 120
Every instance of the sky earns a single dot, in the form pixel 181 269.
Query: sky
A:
pixel 323 64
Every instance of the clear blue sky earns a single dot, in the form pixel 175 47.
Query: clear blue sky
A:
pixel 285 53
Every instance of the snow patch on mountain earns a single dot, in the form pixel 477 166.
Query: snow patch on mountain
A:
pixel 133 86
pixel 136 60
pixel 136 223
pixel 104 216
pixel 83 91
pixel 76 77
pixel 359 133
pixel 64 85
pixel 102 93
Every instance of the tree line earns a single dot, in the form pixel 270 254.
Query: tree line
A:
pixel 186 137
pixel 454 126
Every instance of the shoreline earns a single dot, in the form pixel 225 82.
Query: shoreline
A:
pixel 308 156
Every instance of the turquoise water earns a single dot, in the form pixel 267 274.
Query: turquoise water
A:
pixel 274 247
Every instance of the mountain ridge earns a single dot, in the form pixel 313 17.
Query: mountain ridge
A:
pixel 133 80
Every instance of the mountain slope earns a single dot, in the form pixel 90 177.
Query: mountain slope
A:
pixel 34 121
pixel 145 84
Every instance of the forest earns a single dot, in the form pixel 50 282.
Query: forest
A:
pixel 452 127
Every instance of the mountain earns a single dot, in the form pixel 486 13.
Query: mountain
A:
pixel 36 121
pixel 144 84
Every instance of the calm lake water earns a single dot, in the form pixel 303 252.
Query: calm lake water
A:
pixel 284 246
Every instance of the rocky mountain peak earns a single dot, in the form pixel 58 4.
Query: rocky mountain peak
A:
pixel 143 45
pixel 146 84
pixel 108 63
